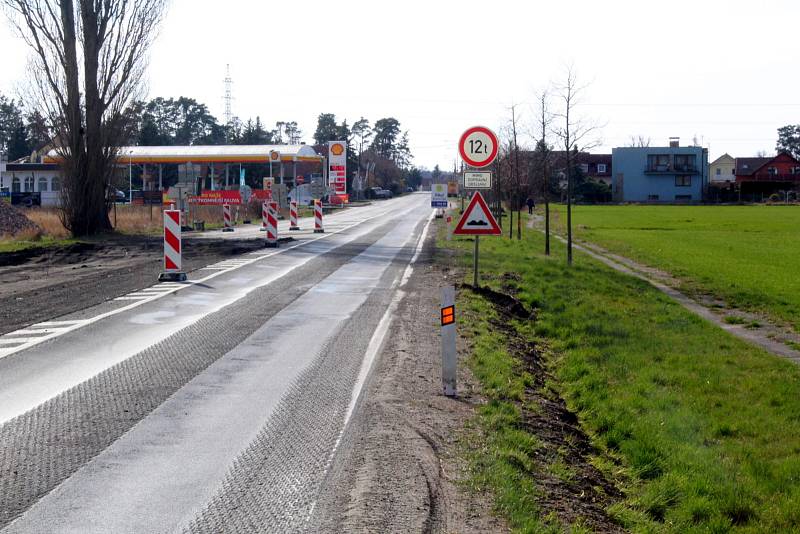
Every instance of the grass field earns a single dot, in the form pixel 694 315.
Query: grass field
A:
pixel 748 255
pixel 701 430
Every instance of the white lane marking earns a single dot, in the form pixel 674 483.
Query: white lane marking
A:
pixel 138 301
pixel 40 331
pixel 375 345
pixel 11 341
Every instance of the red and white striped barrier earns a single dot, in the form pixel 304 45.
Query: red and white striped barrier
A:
pixel 172 247
pixel 293 215
pixel 318 228
pixel 264 213
pixel 271 224
pixel 226 218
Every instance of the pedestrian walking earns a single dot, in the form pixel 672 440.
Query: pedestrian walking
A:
pixel 530 205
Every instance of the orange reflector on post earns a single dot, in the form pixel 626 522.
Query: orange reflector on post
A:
pixel 448 315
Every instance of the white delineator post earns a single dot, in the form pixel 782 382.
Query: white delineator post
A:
pixel 172 247
pixel 293 215
pixel 449 355
pixel 318 228
pixel 226 218
pixel 272 224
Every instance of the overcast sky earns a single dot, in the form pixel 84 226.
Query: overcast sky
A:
pixel 723 71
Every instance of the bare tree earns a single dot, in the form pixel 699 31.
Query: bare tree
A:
pixel 87 68
pixel 515 203
pixel 544 120
pixel 639 141
pixel 575 134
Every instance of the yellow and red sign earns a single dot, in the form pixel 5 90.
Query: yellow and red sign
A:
pixel 337 166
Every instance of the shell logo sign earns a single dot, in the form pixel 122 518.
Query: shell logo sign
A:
pixel 337 149
pixel 337 166
pixel 274 155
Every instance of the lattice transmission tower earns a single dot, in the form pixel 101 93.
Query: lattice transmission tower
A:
pixel 228 96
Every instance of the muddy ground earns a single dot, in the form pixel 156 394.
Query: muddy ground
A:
pixel 44 283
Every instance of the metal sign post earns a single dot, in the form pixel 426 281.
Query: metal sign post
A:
pixel 477 220
pixel 449 356
pixel 475 263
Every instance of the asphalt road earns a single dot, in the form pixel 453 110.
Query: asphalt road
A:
pixel 216 405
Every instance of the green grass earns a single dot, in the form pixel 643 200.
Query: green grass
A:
pixel 748 255
pixel 706 428
pixel 14 245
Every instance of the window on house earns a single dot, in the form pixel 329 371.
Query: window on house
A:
pixel 29 184
pixel 55 184
pixel 584 168
pixel 684 162
pixel 15 185
pixel 658 162
pixel 683 198
pixel 772 171
pixel 42 184
pixel 601 168
pixel 683 181
pixel 719 171
pixel 652 198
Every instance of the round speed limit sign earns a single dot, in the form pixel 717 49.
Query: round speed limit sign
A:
pixel 478 146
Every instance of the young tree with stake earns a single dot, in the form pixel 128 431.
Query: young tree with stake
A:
pixel 575 134
pixel 543 151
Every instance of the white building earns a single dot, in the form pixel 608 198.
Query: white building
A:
pixel 722 170
pixel 42 178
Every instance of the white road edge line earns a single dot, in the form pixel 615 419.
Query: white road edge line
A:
pixel 373 348
pixel 140 301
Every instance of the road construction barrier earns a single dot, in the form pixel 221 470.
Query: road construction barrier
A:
pixel 293 215
pixel 318 228
pixel 264 214
pixel 226 218
pixel 172 247
pixel 271 224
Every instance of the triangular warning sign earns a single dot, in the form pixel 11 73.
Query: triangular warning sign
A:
pixel 477 219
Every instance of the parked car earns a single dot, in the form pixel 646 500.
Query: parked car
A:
pixel 378 193
pixel 115 195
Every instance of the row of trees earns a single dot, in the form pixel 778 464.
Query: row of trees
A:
pixel 22 130
pixel 559 133
pixel 381 149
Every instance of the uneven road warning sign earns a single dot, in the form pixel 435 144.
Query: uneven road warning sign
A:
pixel 477 219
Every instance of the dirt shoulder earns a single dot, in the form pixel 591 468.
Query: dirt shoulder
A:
pixel 41 284
pixel 401 468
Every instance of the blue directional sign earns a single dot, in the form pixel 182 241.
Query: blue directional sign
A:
pixel 439 196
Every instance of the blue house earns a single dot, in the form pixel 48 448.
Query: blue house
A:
pixel 659 174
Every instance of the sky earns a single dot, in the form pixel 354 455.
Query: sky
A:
pixel 721 72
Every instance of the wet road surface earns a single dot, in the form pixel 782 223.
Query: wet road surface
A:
pixel 211 406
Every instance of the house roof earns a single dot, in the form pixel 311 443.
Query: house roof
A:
pixel 747 166
pixel 722 157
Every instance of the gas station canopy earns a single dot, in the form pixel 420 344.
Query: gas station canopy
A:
pixel 208 153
